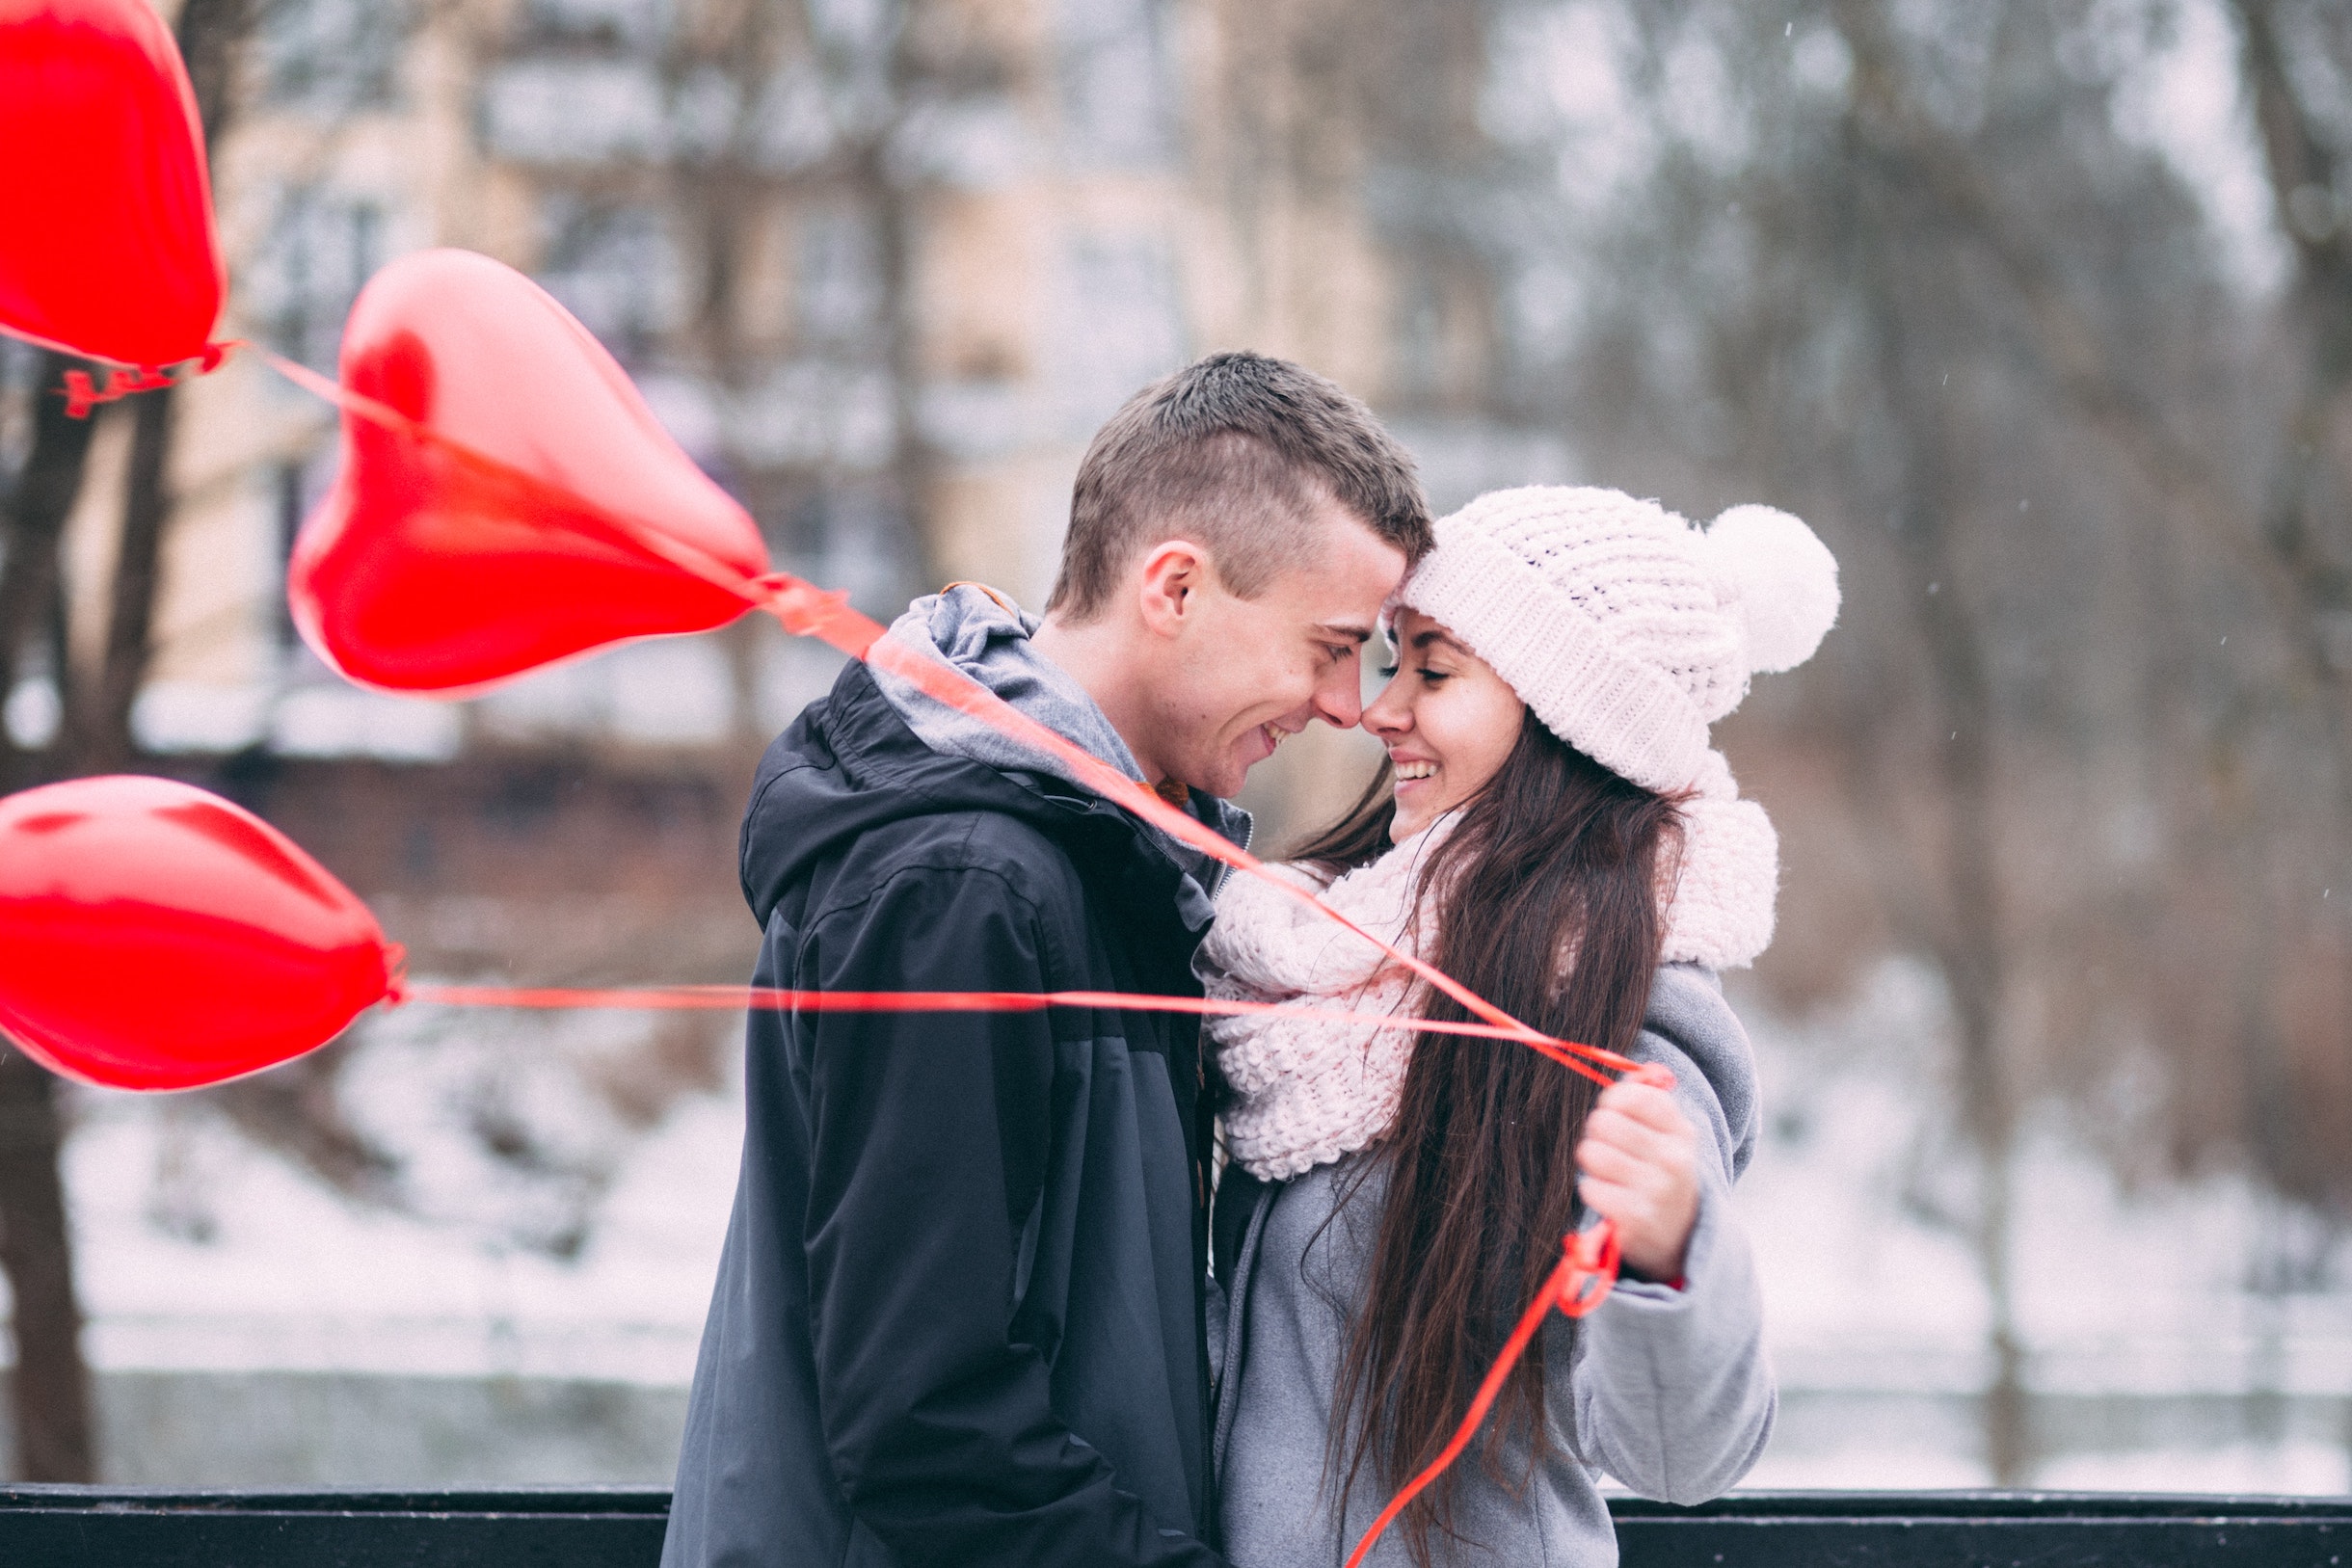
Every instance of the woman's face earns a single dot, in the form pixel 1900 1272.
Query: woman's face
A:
pixel 1447 720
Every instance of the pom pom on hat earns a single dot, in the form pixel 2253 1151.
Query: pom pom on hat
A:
pixel 1782 579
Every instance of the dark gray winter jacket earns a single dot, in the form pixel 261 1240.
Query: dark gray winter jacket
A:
pixel 959 1315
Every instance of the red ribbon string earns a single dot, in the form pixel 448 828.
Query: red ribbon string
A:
pixel 738 998
pixel 1587 1269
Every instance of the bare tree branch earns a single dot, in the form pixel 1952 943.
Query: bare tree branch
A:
pixel 2069 345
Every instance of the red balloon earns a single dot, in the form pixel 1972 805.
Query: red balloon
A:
pixel 427 570
pixel 157 936
pixel 106 238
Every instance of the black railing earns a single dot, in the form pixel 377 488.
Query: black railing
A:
pixel 87 1527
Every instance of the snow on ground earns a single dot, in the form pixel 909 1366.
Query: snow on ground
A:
pixel 298 1278
pixel 2115 1293
pixel 2150 1362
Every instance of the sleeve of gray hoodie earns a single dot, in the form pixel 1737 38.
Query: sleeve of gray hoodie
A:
pixel 1671 1389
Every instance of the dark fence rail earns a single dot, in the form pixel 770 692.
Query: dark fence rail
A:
pixel 1983 1529
pixel 86 1527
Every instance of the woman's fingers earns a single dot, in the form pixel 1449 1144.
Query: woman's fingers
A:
pixel 1613 1129
pixel 1618 1204
pixel 1652 1107
pixel 1613 1162
pixel 1639 1165
pixel 1658 1134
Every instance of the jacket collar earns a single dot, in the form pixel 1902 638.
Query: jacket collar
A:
pixel 850 763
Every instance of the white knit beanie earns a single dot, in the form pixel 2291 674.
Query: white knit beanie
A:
pixel 1628 631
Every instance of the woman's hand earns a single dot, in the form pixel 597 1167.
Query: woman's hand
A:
pixel 1639 1159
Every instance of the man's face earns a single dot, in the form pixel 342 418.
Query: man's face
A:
pixel 1246 672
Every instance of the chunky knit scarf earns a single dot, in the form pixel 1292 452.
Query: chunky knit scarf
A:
pixel 1308 1093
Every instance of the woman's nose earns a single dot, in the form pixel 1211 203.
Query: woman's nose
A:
pixel 1387 715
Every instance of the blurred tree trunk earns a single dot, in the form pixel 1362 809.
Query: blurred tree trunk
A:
pixel 2303 173
pixel 1907 263
pixel 96 734
pixel 49 1394
pixel 1971 938
pixel 40 502
pixel 51 1391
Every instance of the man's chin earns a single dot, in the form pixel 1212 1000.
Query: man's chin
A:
pixel 1223 781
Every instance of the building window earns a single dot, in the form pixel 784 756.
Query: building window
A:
pixel 321 250
pixel 615 268
pixel 332 56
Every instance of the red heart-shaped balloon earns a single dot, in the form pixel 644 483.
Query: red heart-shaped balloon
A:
pixel 545 519
pixel 157 936
pixel 107 244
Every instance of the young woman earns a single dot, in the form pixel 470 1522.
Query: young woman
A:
pixel 1553 830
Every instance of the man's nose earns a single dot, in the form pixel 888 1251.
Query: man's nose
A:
pixel 1339 696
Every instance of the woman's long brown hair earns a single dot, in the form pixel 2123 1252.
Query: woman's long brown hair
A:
pixel 1545 902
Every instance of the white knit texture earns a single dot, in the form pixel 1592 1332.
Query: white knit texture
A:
pixel 1721 913
pixel 1308 1093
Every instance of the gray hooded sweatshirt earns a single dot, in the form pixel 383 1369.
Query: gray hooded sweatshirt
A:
pixel 1667 1391
pixel 987 637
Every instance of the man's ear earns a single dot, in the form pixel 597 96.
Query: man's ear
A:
pixel 1175 572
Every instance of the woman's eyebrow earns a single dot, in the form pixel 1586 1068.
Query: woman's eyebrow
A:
pixel 1422 639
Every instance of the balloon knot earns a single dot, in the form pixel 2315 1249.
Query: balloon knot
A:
pixel 797 603
pixel 1592 1269
pixel 809 611
pixel 395 974
pixel 82 394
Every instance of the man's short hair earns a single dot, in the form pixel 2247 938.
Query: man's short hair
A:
pixel 1234 452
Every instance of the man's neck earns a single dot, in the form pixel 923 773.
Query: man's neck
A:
pixel 1095 657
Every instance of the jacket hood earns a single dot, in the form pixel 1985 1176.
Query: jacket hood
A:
pixel 982 634
pixel 850 763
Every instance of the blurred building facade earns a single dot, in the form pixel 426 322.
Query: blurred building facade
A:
pixel 881 268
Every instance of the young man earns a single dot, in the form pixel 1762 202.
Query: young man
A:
pixel 959 1318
